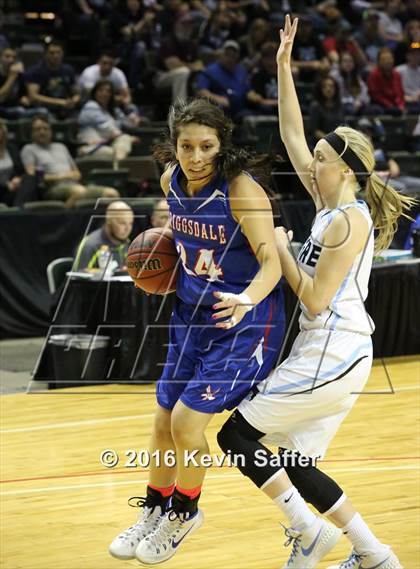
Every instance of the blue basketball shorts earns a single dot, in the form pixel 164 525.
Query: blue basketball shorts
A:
pixel 210 369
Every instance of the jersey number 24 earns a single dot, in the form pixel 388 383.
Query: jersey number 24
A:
pixel 204 265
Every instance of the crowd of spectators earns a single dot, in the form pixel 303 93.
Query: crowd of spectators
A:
pixel 356 59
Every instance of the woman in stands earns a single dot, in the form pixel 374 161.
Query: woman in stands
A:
pixel 101 123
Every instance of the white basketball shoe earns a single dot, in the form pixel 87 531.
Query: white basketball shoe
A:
pixel 163 543
pixel 125 544
pixel 311 545
pixel 383 560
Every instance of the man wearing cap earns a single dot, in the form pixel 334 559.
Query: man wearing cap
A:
pixel 114 234
pixel 226 82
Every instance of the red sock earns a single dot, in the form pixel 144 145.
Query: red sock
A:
pixel 192 493
pixel 166 492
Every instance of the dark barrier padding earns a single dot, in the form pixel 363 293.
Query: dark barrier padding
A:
pixel 28 243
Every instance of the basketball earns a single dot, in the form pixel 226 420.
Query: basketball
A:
pixel 152 261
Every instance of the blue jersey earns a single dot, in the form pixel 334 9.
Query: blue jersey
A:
pixel 215 254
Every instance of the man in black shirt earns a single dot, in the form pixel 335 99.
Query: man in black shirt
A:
pixel 264 89
pixel 52 83
pixel 14 102
pixel 308 55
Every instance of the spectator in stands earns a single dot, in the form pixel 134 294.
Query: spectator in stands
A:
pixel 251 8
pixel 114 234
pixel 160 214
pixel 81 20
pixel 11 169
pixel 385 86
pixel 14 102
pixel 51 163
pixel 251 43
pixel 410 11
pixel 101 123
pixel 326 111
pixel 353 90
pixel 415 136
pixel 4 42
pixel 173 11
pixel 178 57
pixel 134 28
pixel 263 93
pixel 411 35
pixel 308 55
pixel 387 167
pixel 105 69
pixel 369 38
pixel 390 26
pixel 342 41
pixel 410 77
pixel 52 83
pixel 216 32
pixel 226 82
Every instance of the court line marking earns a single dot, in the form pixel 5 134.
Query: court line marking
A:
pixel 71 424
pixel 210 476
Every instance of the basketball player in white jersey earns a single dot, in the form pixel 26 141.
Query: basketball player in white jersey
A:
pixel 300 406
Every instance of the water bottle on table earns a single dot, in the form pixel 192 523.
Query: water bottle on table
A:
pixel 105 261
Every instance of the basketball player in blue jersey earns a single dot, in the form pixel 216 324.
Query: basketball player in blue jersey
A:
pixel 228 323
pixel 300 406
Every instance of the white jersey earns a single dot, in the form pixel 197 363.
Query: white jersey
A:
pixel 346 310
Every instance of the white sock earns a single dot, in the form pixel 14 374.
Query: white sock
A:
pixel 363 540
pixel 295 509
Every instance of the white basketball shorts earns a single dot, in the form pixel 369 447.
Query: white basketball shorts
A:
pixel 302 403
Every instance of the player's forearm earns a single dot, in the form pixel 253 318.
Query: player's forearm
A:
pixel 266 279
pixel 290 115
pixel 300 282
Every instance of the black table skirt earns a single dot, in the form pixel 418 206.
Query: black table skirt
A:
pixel 137 324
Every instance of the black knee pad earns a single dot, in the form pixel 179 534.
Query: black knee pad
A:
pixel 315 486
pixel 234 431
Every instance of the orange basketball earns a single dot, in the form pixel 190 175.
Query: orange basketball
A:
pixel 152 261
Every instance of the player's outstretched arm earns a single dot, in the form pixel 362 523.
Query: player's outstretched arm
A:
pixel 290 116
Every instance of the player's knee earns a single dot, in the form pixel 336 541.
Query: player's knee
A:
pixel 162 425
pixel 229 437
pixel 226 435
pixel 184 436
pixel 235 430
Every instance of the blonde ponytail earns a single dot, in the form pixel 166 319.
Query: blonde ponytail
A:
pixel 386 204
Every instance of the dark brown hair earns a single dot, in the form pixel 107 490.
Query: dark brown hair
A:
pixel 230 161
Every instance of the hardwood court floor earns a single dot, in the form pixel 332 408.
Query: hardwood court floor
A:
pixel 60 508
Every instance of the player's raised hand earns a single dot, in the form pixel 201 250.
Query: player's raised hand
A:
pixel 234 306
pixel 287 36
